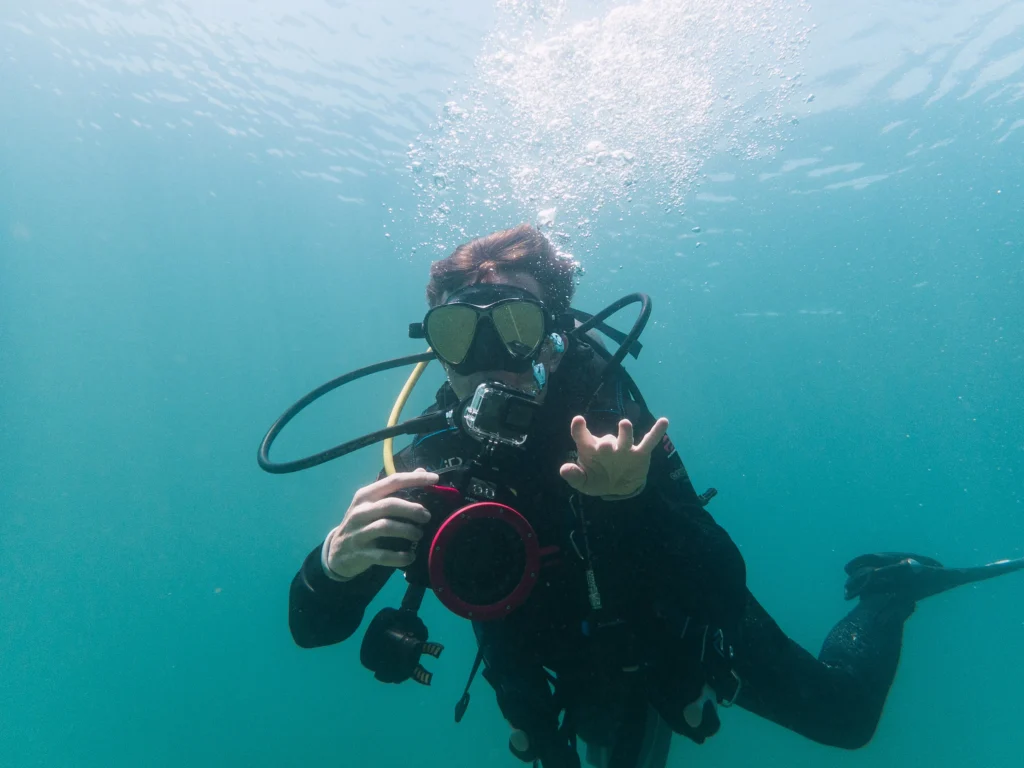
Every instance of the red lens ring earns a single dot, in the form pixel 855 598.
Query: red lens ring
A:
pixel 449 528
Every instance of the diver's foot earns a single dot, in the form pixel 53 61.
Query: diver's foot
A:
pixel 888 573
pixel 914 577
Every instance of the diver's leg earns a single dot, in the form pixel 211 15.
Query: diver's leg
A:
pixel 651 751
pixel 630 733
pixel 836 699
pixel 657 742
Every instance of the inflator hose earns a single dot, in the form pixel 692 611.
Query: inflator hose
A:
pixel 396 412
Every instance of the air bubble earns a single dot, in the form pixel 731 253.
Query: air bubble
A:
pixel 594 112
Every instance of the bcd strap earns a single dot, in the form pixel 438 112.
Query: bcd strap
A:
pixel 463 705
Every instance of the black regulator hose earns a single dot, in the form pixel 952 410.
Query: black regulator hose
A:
pixel 411 427
pixel 638 326
pixel 627 344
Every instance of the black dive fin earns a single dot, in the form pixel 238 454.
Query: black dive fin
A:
pixel 915 576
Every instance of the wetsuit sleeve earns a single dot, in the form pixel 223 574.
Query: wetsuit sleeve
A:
pixel 703 572
pixel 837 698
pixel 322 611
pixel 697 568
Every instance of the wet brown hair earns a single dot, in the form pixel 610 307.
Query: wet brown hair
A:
pixel 522 249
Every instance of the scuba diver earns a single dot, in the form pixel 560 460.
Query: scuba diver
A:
pixel 541 500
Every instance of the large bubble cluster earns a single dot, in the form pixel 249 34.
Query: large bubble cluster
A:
pixel 567 114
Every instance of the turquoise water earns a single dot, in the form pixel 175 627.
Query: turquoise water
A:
pixel 208 209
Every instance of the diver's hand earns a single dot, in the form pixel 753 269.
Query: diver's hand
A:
pixel 611 466
pixel 354 546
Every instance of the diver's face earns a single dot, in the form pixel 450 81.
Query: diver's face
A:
pixel 465 385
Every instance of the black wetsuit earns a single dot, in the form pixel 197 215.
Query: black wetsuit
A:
pixel 672 588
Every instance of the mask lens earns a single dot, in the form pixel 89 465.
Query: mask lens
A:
pixel 520 324
pixel 450 330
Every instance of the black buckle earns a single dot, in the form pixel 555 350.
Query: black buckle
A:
pixel 727 653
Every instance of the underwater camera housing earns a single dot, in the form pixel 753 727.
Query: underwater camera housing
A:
pixel 479 555
pixel 481 558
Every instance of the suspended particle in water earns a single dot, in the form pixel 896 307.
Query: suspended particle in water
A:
pixel 695 229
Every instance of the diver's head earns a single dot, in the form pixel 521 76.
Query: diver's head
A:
pixel 504 297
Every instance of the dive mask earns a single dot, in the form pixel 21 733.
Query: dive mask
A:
pixel 486 327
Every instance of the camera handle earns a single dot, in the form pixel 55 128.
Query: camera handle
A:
pixel 396 640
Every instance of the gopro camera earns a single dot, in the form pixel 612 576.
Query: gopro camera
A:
pixel 500 413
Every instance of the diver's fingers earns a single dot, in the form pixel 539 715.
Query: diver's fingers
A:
pixel 393 507
pixel 574 475
pixel 578 429
pixel 625 439
pixel 396 529
pixel 389 557
pixel 652 438
pixel 399 481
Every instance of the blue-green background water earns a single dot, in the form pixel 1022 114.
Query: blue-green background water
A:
pixel 842 357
